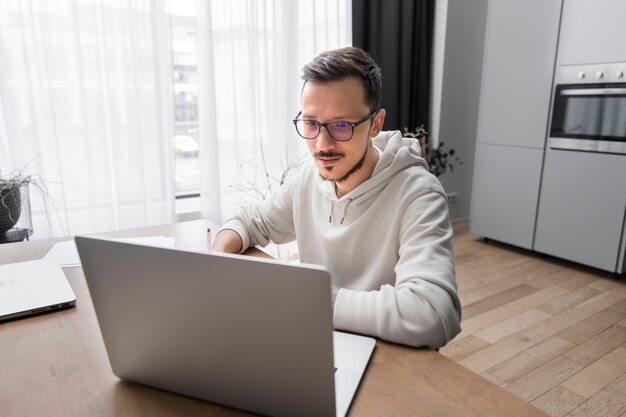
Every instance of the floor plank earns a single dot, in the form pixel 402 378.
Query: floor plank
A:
pixel 598 375
pixel 538 298
pixel 521 364
pixel 606 403
pixel 591 326
pixel 544 378
pixel 558 402
pixel 593 349
pixel 605 299
pixel 569 299
pixel 475 324
pixel 619 307
pixel 496 353
pixel 497 300
pixel 512 325
pixel 619 384
pixel 568 318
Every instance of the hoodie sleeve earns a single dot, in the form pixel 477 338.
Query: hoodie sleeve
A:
pixel 423 307
pixel 267 220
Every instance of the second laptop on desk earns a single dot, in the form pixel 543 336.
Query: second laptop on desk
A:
pixel 250 333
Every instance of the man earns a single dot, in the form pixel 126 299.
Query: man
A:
pixel 367 209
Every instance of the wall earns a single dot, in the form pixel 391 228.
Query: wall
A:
pixel 457 73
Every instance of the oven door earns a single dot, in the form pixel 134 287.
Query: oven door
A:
pixel 589 117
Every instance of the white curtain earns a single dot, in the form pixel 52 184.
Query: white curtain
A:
pixel 250 55
pixel 86 103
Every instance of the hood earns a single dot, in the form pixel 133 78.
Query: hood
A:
pixel 397 154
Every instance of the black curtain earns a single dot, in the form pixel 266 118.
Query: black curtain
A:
pixel 398 34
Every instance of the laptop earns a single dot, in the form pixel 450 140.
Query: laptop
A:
pixel 250 333
pixel 33 287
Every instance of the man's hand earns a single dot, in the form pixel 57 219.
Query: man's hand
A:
pixel 227 241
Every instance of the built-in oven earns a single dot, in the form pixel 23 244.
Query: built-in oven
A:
pixel 589 108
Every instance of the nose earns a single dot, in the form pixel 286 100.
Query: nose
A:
pixel 324 142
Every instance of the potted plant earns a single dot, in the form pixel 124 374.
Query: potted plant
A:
pixel 15 216
pixel 439 160
pixel 11 199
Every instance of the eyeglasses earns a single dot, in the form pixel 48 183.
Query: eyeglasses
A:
pixel 340 131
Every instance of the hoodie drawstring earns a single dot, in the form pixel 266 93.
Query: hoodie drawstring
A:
pixel 345 210
pixel 343 215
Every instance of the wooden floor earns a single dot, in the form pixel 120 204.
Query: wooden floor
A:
pixel 550 332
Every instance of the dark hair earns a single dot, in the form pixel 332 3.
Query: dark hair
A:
pixel 345 62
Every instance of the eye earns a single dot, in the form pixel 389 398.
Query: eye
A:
pixel 311 123
pixel 343 124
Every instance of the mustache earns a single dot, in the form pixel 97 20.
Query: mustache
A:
pixel 331 154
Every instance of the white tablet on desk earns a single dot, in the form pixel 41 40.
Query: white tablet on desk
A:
pixel 33 287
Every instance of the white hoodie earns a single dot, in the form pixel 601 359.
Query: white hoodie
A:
pixel 387 244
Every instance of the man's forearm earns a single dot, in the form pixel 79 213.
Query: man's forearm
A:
pixel 400 316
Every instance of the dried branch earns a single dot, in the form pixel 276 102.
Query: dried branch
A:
pixel 259 191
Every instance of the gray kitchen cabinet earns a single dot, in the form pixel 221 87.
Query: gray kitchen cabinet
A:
pixel 518 67
pixel 506 188
pixel 592 32
pixel 581 208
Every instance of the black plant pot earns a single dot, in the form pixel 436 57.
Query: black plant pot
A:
pixel 10 208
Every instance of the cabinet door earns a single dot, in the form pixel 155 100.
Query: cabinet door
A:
pixel 504 194
pixel 581 207
pixel 592 32
pixel 518 66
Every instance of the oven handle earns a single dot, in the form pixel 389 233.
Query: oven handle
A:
pixel 594 92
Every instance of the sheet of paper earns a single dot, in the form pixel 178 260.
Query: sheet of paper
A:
pixel 66 254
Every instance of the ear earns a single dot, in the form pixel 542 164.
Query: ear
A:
pixel 377 124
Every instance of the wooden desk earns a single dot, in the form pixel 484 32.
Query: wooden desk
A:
pixel 56 365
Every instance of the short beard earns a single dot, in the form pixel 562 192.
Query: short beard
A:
pixel 354 169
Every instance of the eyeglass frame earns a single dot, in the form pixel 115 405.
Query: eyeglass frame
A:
pixel 324 124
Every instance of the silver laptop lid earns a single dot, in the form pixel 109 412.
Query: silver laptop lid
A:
pixel 33 287
pixel 246 332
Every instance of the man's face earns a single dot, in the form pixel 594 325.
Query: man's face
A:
pixel 331 101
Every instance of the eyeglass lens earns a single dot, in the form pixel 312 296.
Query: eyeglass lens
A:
pixel 338 130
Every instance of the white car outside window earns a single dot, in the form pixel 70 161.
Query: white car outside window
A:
pixel 186 145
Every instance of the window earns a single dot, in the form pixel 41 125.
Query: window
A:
pixel 185 79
